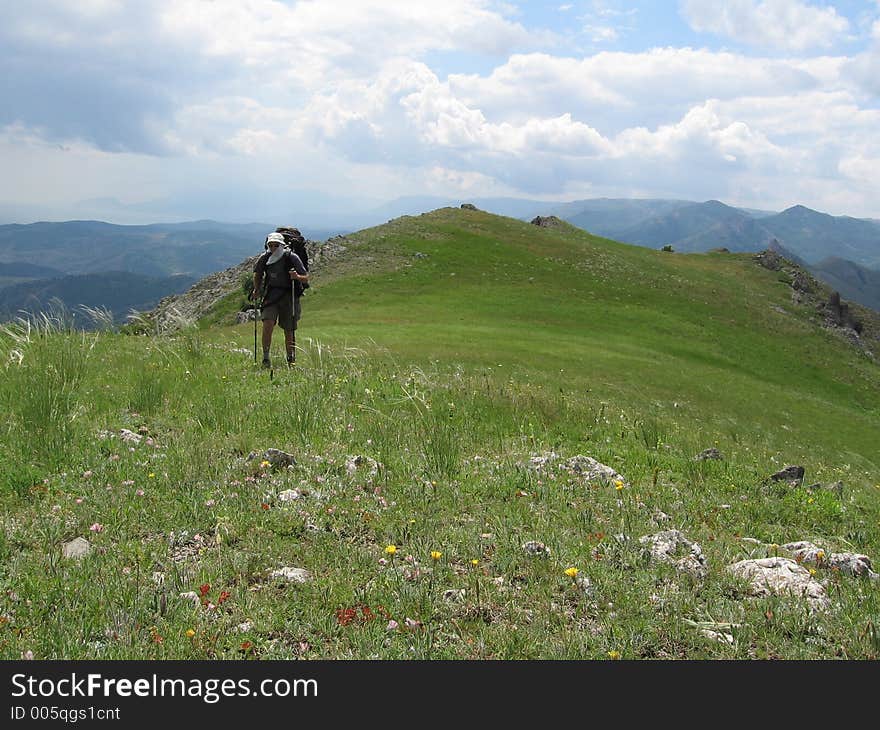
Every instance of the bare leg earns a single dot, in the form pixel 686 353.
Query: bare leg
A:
pixel 268 327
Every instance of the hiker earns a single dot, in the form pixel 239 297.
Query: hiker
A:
pixel 278 268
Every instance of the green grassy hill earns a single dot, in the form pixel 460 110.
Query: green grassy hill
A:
pixel 457 372
pixel 699 338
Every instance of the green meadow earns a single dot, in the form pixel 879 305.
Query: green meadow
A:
pixel 451 367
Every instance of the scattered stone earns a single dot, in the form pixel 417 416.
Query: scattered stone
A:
pixel 468 206
pixel 190 596
pixel 130 436
pixel 289 495
pixel 244 627
pixel 707 454
pixel 852 564
pixel 671 546
pixel 76 549
pixel 585 584
pixel 780 577
pixel 356 463
pixel 533 547
pixel 794 475
pixel 453 595
pixel 849 563
pixel 750 540
pixel 592 470
pixel 244 317
pixel 279 459
pixel 537 463
pixel 292 575
pixel 658 517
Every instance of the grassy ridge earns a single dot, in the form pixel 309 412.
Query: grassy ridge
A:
pixel 644 328
pixel 448 388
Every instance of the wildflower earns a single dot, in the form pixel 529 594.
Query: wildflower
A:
pixel 190 633
pixel 475 562
pixel 87 474
pixel 436 555
pixel 572 572
pixel 246 645
pixel 209 503
pixel 139 493
pixel 28 655
pixel 224 596
pixel 618 485
pixel 392 625
pixel 613 655
pixel 78 500
pixel 204 589
pixel 812 571
pixel 390 549
pixel 264 505
pixel 265 464
pixel 151 475
pixel 97 527
pixel 820 555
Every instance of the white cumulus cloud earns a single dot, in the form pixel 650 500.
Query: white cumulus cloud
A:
pixel 786 24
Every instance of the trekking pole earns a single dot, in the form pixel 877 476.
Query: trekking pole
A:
pixel 255 332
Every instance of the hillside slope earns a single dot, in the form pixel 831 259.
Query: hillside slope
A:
pixel 703 337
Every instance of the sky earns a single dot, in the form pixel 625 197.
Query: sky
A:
pixel 246 110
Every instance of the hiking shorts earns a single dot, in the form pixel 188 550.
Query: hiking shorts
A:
pixel 282 313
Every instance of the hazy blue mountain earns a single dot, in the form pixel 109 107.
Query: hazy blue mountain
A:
pixel 118 291
pixel 689 223
pixel 162 249
pixel 854 282
pixel 815 236
pixel 611 217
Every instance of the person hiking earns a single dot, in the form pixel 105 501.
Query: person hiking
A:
pixel 274 275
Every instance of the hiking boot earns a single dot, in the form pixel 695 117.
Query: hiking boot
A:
pixel 266 362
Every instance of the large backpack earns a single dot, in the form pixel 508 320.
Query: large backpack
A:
pixel 296 242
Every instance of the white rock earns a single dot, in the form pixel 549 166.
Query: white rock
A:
pixel 780 577
pixel 293 575
pixel 77 548
pixel 533 547
pixel 592 470
pixel 289 495
pixel 671 546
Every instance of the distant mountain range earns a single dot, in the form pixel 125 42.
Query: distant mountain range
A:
pixel 119 292
pixel 122 268
pixel 840 250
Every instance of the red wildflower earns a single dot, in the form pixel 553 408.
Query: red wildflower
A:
pixel 264 505
pixel 224 596
pixel 204 589
pixel 368 614
pixel 246 645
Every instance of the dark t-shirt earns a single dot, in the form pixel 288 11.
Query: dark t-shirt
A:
pixel 276 276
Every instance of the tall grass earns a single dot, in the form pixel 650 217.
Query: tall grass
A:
pixel 185 505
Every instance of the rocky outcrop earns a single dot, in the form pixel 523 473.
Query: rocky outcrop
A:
pixel 550 221
pixel 780 577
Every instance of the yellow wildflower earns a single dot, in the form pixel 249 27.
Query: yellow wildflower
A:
pixel 475 562
pixel 190 633
pixel 390 549
pixel 618 485
pixel 572 572
pixel 613 654
pixel 436 555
